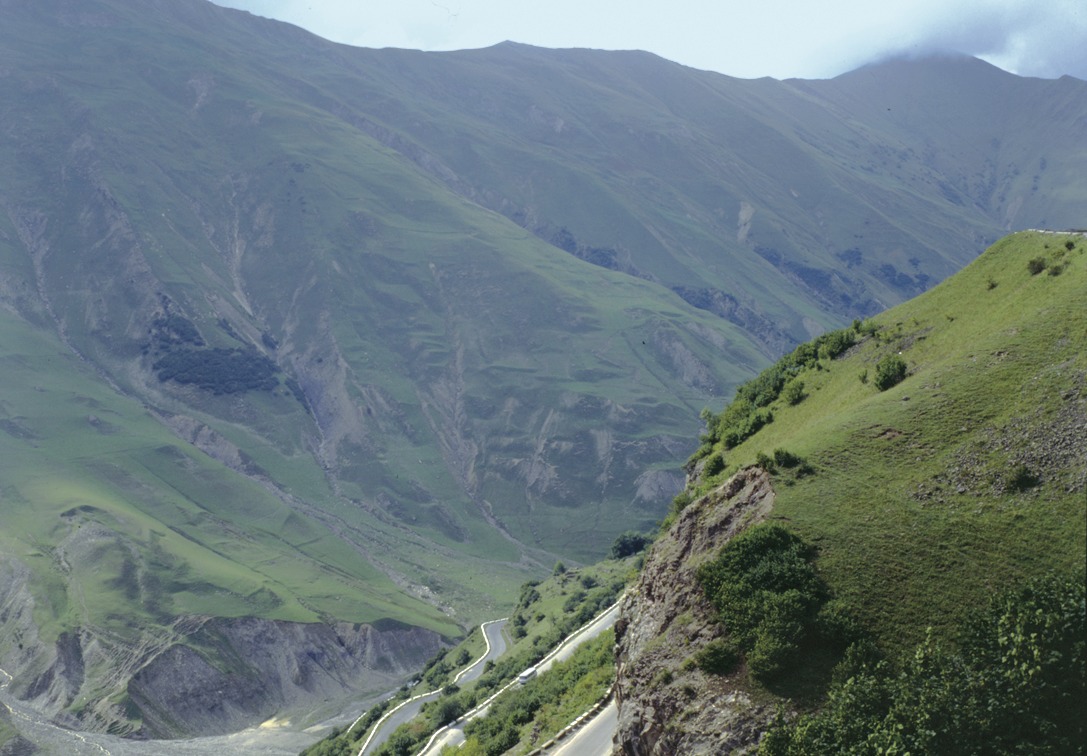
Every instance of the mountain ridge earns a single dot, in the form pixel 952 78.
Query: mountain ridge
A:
pixel 322 334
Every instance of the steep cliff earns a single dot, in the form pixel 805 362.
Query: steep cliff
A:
pixel 273 666
pixel 665 705
pixel 205 676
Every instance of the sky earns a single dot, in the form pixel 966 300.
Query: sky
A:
pixel 809 39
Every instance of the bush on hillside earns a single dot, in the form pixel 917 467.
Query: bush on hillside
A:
pixel 715 463
pixel 628 544
pixel 766 592
pixel 718 657
pixel 794 393
pixel 1016 685
pixel 890 371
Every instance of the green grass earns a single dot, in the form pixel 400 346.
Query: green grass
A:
pixel 911 504
pixel 477 401
pixel 100 496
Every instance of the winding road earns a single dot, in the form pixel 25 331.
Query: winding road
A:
pixel 594 737
pixel 405 712
pixel 453 734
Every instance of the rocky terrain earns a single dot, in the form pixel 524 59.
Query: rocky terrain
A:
pixel 665 705
pixel 208 676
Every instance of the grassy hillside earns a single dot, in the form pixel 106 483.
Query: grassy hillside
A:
pixel 122 524
pixel 968 476
pixel 302 331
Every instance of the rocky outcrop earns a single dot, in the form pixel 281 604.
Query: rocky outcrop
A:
pixel 233 673
pixel 200 675
pixel 666 706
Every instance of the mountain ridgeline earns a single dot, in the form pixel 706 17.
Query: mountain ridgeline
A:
pixel 303 333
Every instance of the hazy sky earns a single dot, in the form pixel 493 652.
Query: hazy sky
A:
pixel 752 38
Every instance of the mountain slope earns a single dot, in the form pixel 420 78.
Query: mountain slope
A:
pixel 310 333
pixel 923 500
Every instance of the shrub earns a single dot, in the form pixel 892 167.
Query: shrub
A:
pixel 890 371
pixel 835 343
pixel 787 459
pixel 1015 685
pixel 1036 265
pixel 630 543
pixel 1021 479
pixel 794 393
pixel 765 590
pixel 715 463
pixel 529 594
pixel 718 657
pixel 680 501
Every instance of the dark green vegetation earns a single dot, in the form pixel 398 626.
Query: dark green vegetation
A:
pixel 1015 684
pixel 495 287
pixel 220 371
pixel 890 371
pixel 962 480
pixel 769 598
pixel 628 544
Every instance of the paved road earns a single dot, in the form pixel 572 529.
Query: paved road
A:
pixel 454 734
pixel 405 712
pixel 496 646
pixel 586 632
pixel 594 738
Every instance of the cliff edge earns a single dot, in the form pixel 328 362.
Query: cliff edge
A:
pixel 666 704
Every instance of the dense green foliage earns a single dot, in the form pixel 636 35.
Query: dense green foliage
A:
pixel 747 412
pixel 1015 685
pixel 220 371
pixel 718 657
pixel 628 544
pixel 890 371
pixel 768 595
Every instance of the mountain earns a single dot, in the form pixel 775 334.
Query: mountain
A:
pixel 312 334
pixel 921 500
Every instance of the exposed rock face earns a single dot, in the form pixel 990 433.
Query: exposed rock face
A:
pixel 665 620
pixel 260 667
pixel 205 676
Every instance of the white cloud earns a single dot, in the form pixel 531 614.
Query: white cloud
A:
pixel 779 38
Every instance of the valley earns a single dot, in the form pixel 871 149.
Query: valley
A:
pixel 312 356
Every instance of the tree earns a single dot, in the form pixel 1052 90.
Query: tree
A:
pixel 627 544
